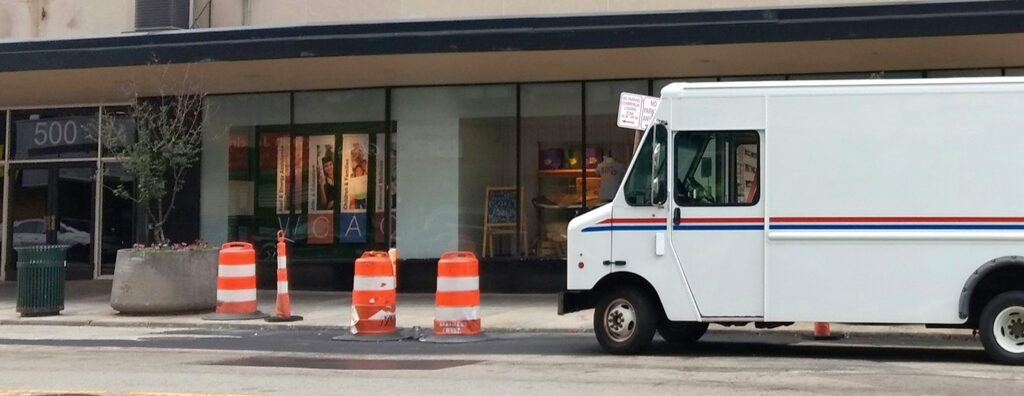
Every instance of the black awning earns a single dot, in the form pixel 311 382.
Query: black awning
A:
pixel 520 34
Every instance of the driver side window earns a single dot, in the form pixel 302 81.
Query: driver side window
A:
pixel 717 168
pixel 637 189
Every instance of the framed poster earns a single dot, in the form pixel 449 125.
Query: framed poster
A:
pixel 283 178
pixel 355 166
pixel 322 194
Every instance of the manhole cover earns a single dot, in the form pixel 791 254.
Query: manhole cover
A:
pixel 345 364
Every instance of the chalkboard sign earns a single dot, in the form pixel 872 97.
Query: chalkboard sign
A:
pixel 502 207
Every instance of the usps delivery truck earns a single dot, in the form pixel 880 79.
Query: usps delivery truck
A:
pixel 859 202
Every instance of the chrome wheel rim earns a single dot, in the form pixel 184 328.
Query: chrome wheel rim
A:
pixel 620 320
pixel 1009 329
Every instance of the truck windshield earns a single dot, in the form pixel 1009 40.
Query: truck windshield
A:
pixel 637 189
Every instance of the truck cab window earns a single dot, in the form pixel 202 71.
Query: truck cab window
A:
pixel 717 168
pixel 637 189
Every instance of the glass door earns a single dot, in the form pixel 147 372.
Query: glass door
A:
pixel 53 204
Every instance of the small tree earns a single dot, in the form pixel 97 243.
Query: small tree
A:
pixel 157 141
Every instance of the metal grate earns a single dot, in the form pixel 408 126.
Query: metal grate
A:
pixel 161 14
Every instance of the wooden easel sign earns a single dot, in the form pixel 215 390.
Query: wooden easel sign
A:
pixel 501 215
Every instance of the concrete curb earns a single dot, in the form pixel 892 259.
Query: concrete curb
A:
pixel 797 334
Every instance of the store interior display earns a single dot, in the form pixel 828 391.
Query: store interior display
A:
pixel 562 183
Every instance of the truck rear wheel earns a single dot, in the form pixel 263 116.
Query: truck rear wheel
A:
pixel 682 332
pixel 624 321
pixel 1002 328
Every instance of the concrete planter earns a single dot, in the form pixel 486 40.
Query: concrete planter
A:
pixel 164 282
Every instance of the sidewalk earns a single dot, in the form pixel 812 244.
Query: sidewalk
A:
pixel 88 304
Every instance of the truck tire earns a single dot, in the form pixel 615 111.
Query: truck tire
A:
pixel 1002 328
pixel 682 332
pixel 625 321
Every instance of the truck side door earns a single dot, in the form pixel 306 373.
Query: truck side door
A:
pixel 718 220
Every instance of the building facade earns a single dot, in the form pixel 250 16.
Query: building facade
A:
pixel 423 125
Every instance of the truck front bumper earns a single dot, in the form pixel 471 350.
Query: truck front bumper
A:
pixel 571 301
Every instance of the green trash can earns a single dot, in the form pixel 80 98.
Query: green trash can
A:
pixel 41 274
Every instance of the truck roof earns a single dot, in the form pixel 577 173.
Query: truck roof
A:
pixel 804 87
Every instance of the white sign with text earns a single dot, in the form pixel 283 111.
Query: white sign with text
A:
pixel 636 111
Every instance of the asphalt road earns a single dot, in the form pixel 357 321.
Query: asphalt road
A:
pixel 91 361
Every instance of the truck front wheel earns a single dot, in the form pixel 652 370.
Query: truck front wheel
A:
pixel 625 321
pixel 1002 328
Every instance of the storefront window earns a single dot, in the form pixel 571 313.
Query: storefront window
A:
pixel 339 169
pixel 119 219
pixel 964 73
pixel 252 130
pixel 3 135
pixel 660 84
pixel 456 169
pixel 122 128
pixel 63 133
pixel 551 163
pixel 609 148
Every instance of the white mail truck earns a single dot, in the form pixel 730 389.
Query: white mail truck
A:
pixel 861 202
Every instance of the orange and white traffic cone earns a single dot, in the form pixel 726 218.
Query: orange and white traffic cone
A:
pixel 823 331
pixel 457 311
pixel 283 313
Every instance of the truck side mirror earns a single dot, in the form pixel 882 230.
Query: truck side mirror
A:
pixel 657 191
pixel 657 184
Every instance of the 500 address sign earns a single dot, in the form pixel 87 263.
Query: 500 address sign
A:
pixel 55 133
pixel 55 137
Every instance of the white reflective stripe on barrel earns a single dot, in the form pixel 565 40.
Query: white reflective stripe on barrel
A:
pixel 466 283
pixel 282 287
pixel 282 262
pixel 236 295
pixel 463 313
pixel 236 271
pixel 373 283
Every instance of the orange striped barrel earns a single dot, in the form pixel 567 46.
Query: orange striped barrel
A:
pixel 458 295
pixel 373 295
pixel 236 279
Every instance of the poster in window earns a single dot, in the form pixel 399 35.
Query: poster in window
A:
pixel 299 151
pixel 268 190
pixel 238 153
pixel 355 166
pixel 323 193
pixel 284 161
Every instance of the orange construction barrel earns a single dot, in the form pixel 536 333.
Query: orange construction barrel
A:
pixel 236 283
pixel 373 295
pixel 458 295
